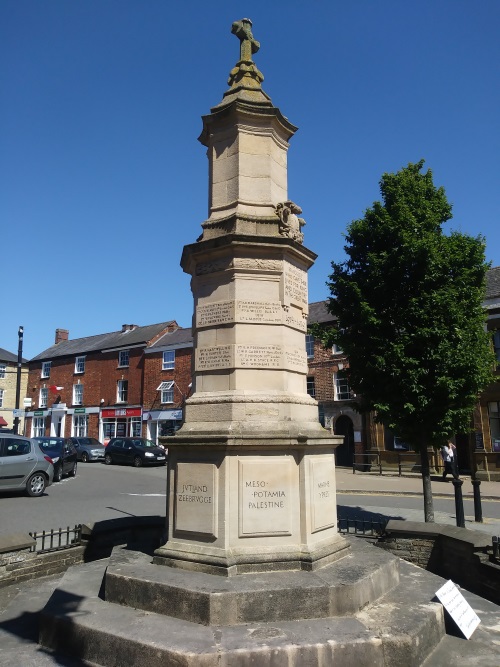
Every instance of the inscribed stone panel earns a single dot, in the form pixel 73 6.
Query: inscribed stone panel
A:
pixel 322 479
pixel 265 493
pixel 196 498
pixel 213 358
pixel 295 286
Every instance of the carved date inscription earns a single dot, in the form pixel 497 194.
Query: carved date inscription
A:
pixel 266 312
pixel 323 496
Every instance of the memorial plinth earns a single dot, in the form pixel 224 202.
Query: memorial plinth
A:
pixel 252 471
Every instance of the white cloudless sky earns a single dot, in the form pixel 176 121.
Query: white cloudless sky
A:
pixel 103 181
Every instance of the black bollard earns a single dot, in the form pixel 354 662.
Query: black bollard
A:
pixel 478 510
pixel 459 503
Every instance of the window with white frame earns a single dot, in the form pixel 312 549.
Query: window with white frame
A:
pixel 336 349
pixel 123 358
pixel 135 427
pixel 122 391
pixel 3 371
pixel 38 427
pixel 167 391
pixel 46 369
pixel 44 397
pixel 168 360
pixel 80 426
pixel 309 346
pixel 78 394
pixel 311 386
pixel 342 391
pixel 80 365
pixel 1 398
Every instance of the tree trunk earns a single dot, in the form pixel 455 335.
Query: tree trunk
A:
pixel 426 483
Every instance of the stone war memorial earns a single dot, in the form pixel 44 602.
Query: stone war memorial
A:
pixel 252 569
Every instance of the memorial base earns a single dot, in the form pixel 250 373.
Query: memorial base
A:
pixel 252 502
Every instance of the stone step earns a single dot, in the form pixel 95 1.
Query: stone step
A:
pixel 400 629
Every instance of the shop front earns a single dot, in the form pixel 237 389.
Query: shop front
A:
pixel 161 423
pixel 120 423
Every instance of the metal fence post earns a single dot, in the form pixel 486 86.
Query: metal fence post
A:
pixel 459 503
pixel 478 510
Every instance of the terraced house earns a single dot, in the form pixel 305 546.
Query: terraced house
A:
pixel 92 386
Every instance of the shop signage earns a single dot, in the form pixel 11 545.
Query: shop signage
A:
pixel 38 413
pixel 79 411
pixel 121 412
pixel 479 440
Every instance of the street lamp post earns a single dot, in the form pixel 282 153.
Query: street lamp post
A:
pixel 18 381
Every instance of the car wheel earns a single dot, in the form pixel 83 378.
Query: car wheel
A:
pixel 108 460
pixel 58 473
pixel 73 472
pixel 35 485
pixel 137 462
pixel 85 457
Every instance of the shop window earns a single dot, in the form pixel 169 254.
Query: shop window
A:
pixel 1 398
pixel 167 391
pixel 309 346
pixel 122 391
pixel 494 417
pixel 80 365
pixel 135 427
pixel 46 369
pixel 3 371
pixel 78 394
pixel 311 386
pixel 168 360
pixel 123 358
pixel 342 391
pixel 44 397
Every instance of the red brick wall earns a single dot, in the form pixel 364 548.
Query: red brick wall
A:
pixel 153 375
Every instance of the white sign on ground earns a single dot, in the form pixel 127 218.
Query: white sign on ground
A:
pixel 458 608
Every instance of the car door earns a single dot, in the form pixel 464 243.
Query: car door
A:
pixel 128 451
pixel 68 456
pixel 117 450
pixel 17 461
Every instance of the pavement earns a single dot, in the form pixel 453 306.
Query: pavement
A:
pixel 20 604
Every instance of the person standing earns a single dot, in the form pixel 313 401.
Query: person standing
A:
pixel 447 456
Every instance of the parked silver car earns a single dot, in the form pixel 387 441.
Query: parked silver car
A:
pixel 23 467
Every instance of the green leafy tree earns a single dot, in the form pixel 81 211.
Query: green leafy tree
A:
pixel 408 308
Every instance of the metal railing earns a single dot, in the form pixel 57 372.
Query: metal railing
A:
pixel 398 462
pixel 56 540
pixel 358 525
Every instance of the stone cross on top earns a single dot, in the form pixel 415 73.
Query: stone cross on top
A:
pixel 248 45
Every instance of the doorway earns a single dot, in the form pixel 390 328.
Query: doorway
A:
pixel 344 454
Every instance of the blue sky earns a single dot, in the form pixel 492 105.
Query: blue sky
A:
pixel 103 180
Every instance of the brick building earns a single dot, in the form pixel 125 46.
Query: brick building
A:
pixel 8 386
pixel 167 382
pixel 91 386
pixel 369 443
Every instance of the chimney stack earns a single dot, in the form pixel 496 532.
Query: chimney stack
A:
pixel 61 334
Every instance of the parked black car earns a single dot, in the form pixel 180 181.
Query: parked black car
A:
pixel 88 449
pixel 62 452
pixel 137 451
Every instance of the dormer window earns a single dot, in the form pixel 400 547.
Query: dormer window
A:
pixel 167 391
